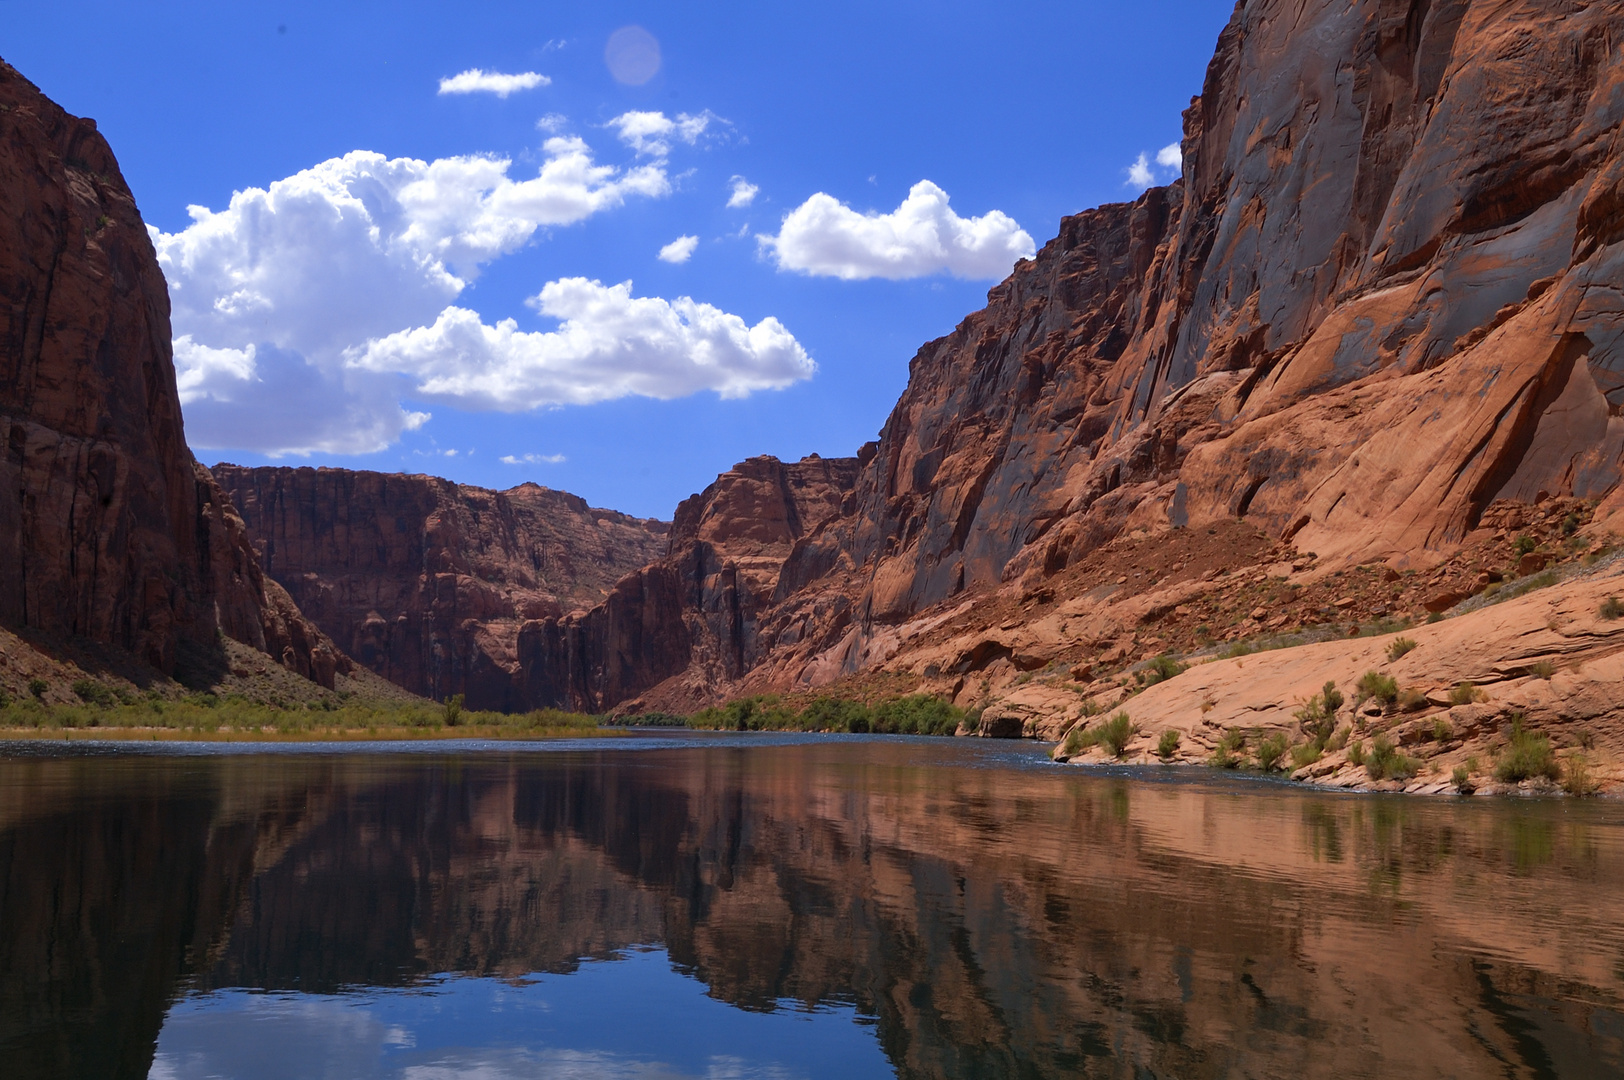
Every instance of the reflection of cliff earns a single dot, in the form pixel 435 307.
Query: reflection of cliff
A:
pixel 996 924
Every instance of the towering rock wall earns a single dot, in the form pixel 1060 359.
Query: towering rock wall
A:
pixel 1385 293
pixel 106 531
pixel 428 583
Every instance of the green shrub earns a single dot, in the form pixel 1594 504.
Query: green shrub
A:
pixel 1523 545
pixel 1542 669
pixel 1116 733
pixel 1160 669
pixel 1231 752
pixel 1385 762
pixel 1435 617
pixel 1570 524
pixel 1306 754
pixel 1462 778
pixel 1271 750
pixel 451 711
pixel 1464 693
pixel 1331 696
pixel 37 687
pixel 1318 714
pixel 917 714
pixel 1576 778
pixel 1611 608
pixel 1399 646
pixel 1442 730
pixel 1168 744
pixel 1411 700
pixel 92 692
pixel 1239 649
pixel 1340 739
pixel 1529 755
pixel 1373 684
pixel 1356 754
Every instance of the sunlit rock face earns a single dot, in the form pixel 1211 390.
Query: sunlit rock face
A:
pixel 1384 293
pixel 106 531
pixel 430 583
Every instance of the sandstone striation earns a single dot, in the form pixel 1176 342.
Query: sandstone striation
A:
pixel 107 534
pixel 427 582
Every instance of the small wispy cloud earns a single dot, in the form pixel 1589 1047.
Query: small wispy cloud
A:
pixel 476 81
pixel 552 123
pixel 679 250
pixel 1169 160
pixel 651 133
pixel 533 459
pixel 744 193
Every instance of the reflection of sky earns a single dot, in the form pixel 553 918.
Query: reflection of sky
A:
pixel 630 1018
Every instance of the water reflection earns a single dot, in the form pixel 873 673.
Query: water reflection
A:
pixel 987 918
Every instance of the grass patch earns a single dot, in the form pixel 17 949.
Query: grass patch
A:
pixel 1542 669
pixel 1576 778
pixel 1231 752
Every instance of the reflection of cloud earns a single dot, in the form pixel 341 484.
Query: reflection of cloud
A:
pixel 633 55
pixel 254 1036
pixel 553 1064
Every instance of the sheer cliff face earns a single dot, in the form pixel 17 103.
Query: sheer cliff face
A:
pixel 427 582
pixel 106 531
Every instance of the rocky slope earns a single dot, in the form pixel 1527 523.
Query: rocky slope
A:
pixel 109 533
pixel 427 582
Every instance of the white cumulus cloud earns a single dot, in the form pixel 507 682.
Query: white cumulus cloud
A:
pixel 475 81
pixel 269 293
pixel 609 345
pixel 679 250
pixel 651 133
pixel 921 237
pixel 533 459
pixel 1169 162
pixel 744 192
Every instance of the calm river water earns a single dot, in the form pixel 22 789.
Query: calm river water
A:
pixel 775 906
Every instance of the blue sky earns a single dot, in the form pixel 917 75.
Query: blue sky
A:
pixel 355 310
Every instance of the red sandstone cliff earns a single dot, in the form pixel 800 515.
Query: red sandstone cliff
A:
pixel 428 583
pixel 1385 294
pixel 106 531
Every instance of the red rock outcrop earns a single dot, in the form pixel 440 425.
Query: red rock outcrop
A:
pixel 427 582
pixel 692 619
pixel 106 533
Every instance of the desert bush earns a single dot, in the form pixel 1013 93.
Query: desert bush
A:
pixel 92 692
pixel 1528 755
pixel 1306 754
pixel 1462 779
pixel 1340 739
pixel 1239 649
pixel 1356 754
pixel 1116 733
pixel 1523 545
pixel 1576 778
pixel 451 711
pixel 1386 762
pixel 1160 669
pixel 1399 646
pixel 37 687
pixel 1464 693
pixel 1231 751
pixel 1435 617
pixel 1611 608
pixel 1442 730
pixel 1411 699
pixel 1542 669
pixel 1271 750
pixel 1168 744
pixel 1373 684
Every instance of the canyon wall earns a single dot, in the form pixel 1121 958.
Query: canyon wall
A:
pixel 427 582
pixel 1385 293
pixel 107 530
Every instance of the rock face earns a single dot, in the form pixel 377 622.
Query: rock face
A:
pixel 427 582
pixel 106 531
pixel 693 618
pixel 1385 293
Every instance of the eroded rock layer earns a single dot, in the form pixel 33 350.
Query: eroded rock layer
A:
pixel 106 532
pixel 430 583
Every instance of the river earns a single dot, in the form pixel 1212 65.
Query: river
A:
pixel 781 906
